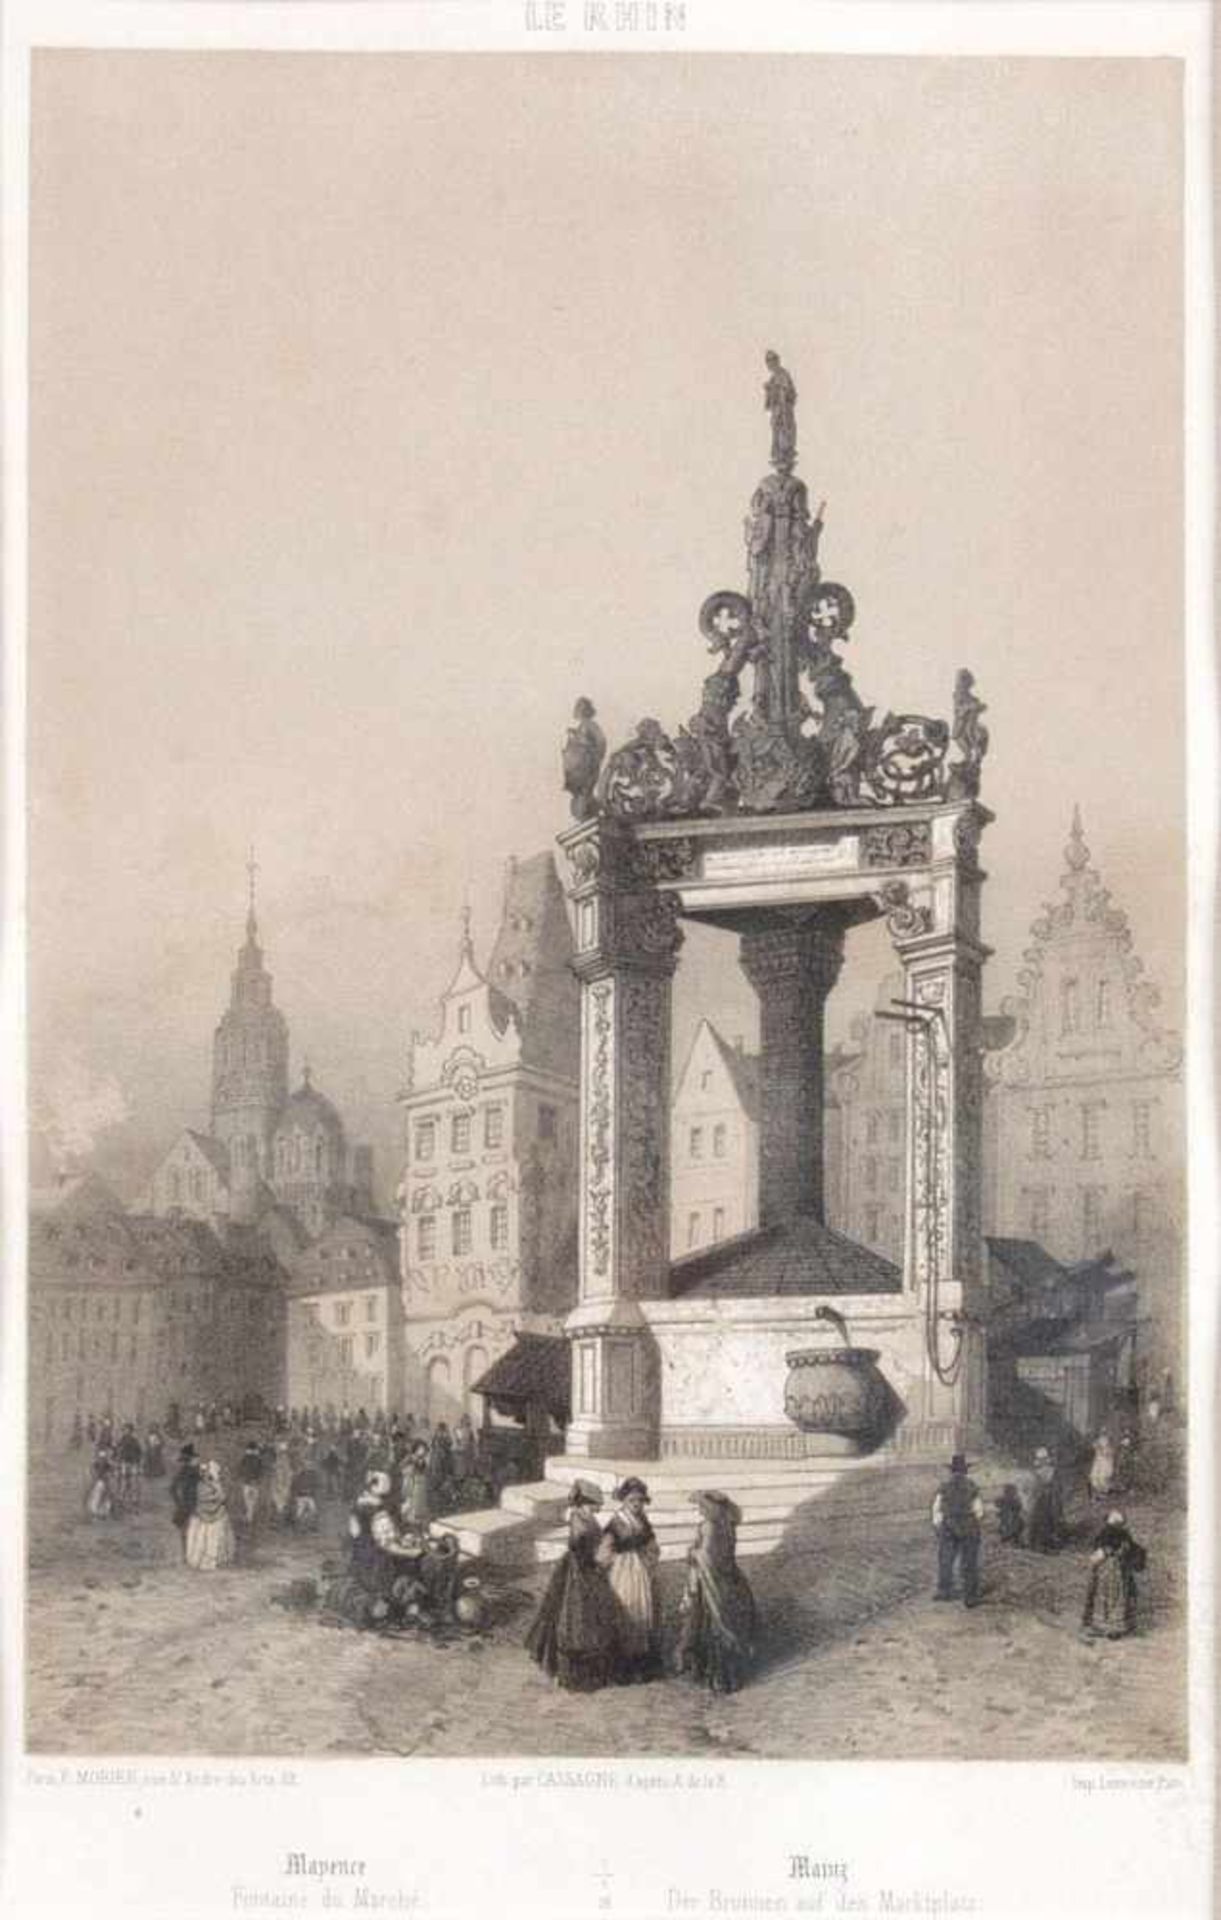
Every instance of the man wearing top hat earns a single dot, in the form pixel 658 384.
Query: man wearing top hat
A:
pixel 957 1512
pixel 184 1491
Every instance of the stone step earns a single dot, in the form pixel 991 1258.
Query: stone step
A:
pixel 492 1534
pixel 535 1500
pixel 755 1537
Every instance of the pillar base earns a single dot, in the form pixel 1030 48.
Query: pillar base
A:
pixel 616 1403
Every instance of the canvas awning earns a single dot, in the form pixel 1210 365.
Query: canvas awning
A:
pixel 535 1371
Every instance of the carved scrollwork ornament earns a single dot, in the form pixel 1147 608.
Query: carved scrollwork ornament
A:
pixel 905 918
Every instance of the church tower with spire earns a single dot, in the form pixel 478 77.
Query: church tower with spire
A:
pixel 249 1067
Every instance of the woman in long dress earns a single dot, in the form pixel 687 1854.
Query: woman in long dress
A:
pixel 574 1631
pixel 1110 1599
pixel 210 1542
pixel 630 1554
pixel 1045 1528
pixel 1102 1467
pixel 717 1640
pixel 417 1489
pixel 99 1503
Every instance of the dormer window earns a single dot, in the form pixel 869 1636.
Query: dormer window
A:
pixel 464 1019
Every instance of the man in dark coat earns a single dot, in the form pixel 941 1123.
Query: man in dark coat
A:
pixel 250 1468
pixel 184 1491
pixel 957 1513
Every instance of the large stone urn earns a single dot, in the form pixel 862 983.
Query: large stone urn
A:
pixel 836 1395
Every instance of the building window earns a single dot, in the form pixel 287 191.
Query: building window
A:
pixel 894 1176
pixel 871 1173
pixel 460 1230
pixel 1091 1218
pixel 705 1080
pixel 1141 1112
pixel 695 1143
pixel 500 1227
pixel 426 1236
pixel 693 1231
pixel 1102 1004
pixel 718 1223
pixel 345 1350
pixel 460 1133
pixel 464 1019
pixel 426 1140
pixel 372 1342
pixel 1140 1215
pixel 871 1223
pixel 370 1306
pixel 719 1137
pixel 547 1123
pixel 871 1130
pixel 894 1127
pixel 1038 1211
pixel 343 1313
pixel 1091 1130
pixel 1040 1133
pixel 1070 1006
pixel 493 1126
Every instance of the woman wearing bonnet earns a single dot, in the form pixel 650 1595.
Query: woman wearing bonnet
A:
pixel 630 1554
pixel 717 1639
pixel 573 1636
pixel 210 1542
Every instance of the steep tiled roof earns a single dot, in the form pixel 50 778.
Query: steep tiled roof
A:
pixel 743 1070
pixel 800 1256
pixel 531 967
pixel 214 1151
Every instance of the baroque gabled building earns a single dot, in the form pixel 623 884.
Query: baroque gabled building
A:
pixel 487 1238
pixel 1085 1121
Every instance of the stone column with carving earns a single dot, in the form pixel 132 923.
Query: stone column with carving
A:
pixel 627 940
pixel 933 918
pixel 792 967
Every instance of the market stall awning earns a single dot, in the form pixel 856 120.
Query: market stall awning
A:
pixel 535 1371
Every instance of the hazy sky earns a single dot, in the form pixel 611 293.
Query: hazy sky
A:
pixel 382 404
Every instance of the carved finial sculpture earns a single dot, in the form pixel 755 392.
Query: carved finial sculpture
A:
pixel 780 400
pixel 584 752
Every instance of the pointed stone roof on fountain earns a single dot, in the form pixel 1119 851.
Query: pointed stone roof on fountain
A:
pixel 797 1256
pixel 806 740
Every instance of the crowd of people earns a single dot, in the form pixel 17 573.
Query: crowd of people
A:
pixel 600 1619
pixel 1031 1514
pixel 293 1459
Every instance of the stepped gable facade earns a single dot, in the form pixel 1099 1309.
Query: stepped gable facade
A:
pixel 487 1200
pixel 1085 1104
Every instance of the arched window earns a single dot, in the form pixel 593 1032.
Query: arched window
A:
pixel 437 1388
pixel 1070 1006
pixel 318 1155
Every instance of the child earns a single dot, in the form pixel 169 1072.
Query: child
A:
pixel 1010 1518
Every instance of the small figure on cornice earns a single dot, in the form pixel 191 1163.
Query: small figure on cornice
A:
pixel 970 737
pixel 584 752
pixel 780 400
